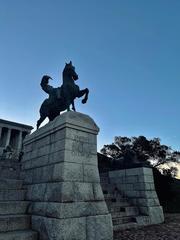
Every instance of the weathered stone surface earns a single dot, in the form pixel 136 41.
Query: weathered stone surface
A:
pixel 60 229
pixel 77 121
pixel 68 210
pixel 56 172
pixel 148 194
pixel 144 186
pixel 12 195
pixel 155 213
pixel 81 157
pixel 97 190
pixel 147 202
pixel 138 185
pixel 62 178
pixel 58 157
pixel 143 220
pixel 68 172
pixel 91 173
pixel 145 178
pixel 14 222
pixel 19 235
pixel 13 207
pixel 6 183
pixel 65 192
pixel 99 227
pixel 10 173
pixel 84 228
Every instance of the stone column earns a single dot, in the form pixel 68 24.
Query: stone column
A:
pixel 1 148
pixel 0 132
pixel 19 145
pixel 62 178
pixel 8 137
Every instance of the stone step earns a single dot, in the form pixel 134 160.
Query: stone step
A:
pixel 121 203
pixel 104 180
pixel 14 222
pixel 108 187
pixel 6 183
pixel 123 214
pixel 122 220
pixel 118 208
pixel 111 196
pixel 9 162
pixel 143 220
pixel 13 207
pixel 126 211
pixel 19 235
pixel 125 226
pixel 12 195
pixel 10 173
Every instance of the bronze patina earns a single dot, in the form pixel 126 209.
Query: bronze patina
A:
pixel 62 97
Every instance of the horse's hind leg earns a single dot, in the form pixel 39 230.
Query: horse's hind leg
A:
pixel 52 115
pixel 42 118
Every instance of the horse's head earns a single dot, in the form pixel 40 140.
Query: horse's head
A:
pixel 69 71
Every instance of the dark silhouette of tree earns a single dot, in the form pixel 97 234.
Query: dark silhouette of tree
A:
pixel 140 149
pixel 170 172
pixel 163 185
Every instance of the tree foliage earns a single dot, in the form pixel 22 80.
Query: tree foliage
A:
pixel 142 150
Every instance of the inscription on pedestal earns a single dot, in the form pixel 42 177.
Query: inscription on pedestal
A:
pixel 81 146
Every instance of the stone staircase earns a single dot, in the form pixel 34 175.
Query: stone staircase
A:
pixel 123 213
pixel 15 223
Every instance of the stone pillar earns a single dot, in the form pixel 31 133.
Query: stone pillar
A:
pixel 62 178
pixel 1 148
pixel 138 185
pixel 8 137
pixel 0 132
pixel 19 145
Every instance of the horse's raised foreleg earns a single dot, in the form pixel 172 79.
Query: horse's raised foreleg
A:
pixel 82 93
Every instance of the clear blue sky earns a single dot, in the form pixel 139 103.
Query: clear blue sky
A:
pixel 126 52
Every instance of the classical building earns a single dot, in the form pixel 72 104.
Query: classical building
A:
pixel 12 135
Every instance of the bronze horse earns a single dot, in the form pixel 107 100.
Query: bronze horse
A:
pixel 62 97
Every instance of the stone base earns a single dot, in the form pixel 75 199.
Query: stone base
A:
pixel 82 228
pixel 61 174
pixel 138 185
pixel 154 213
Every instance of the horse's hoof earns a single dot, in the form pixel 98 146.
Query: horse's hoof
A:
pixel 84 101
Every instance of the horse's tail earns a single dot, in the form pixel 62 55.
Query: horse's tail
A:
pixel 44 84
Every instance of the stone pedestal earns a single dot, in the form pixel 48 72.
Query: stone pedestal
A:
pixel 61 174
pixel 138 185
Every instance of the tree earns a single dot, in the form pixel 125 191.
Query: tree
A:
pixel 170 172
pixel 141 150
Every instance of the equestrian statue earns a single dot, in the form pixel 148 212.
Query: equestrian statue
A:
pixel 62 97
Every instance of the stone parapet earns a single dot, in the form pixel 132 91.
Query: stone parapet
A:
pixel 59 168
pixel 138 185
